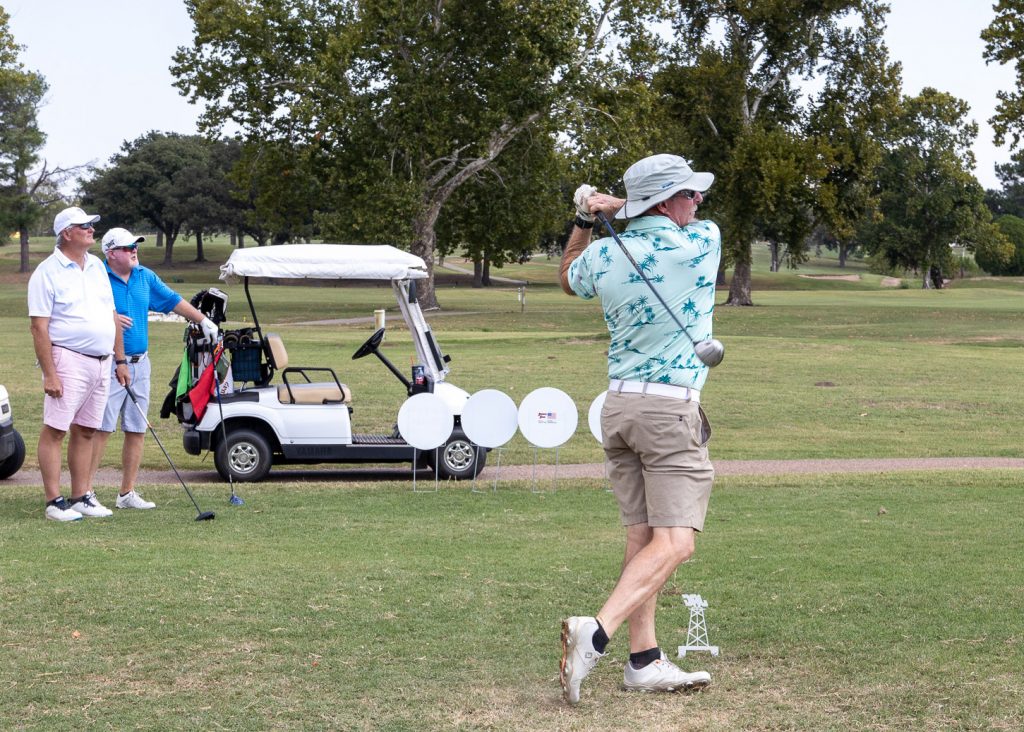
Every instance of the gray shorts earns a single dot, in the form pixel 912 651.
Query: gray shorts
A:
pixel 657 455
pixel 119 404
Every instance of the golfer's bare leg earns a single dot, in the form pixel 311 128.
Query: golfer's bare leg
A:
pixel 131 456
pixel 80 459
pixel 645 574
pixel 99 446
pixel 51 442
pixel 642 635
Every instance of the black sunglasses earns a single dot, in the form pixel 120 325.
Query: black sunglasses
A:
pixel 129 248
pixel 85 227
pixel 687 194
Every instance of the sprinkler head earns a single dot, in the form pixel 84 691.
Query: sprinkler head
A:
pixel 710 352
pixel 206 516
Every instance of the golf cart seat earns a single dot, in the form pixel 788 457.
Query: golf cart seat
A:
pixel 308 391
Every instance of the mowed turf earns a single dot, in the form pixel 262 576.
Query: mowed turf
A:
pixel 882 602
pixel 886 602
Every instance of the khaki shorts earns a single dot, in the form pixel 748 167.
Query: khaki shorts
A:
pixel 657 455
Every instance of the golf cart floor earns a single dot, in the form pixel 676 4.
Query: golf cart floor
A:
pixel 377 440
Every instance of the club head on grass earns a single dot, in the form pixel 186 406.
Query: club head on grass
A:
pixel 236 500
pixel 206 516
pixel 710 352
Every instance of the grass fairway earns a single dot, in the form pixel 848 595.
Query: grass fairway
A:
pixel 362 606
pixel 373 608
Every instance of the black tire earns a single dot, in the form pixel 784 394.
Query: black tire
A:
pixel 460 459
pixel 245 456
pixel 15 460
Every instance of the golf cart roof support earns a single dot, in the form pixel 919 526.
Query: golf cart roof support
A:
pixel 252 308
pixel 427 349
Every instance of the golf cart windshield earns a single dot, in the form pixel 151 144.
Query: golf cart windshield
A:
pixel 346 262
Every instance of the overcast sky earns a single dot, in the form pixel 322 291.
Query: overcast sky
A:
pixel 106 62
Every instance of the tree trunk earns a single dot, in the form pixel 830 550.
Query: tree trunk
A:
pixel 720 278
pixel 199 247
pixel 23 239
pixel 485 279
pixel 234 239
pixel 169 250
pixel 739 288
pixel 774 246
pixel 424 245
pixel 159 239
pixel 478 273
pixel 842 255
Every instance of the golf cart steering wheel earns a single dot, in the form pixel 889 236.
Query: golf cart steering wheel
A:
pixel 370 346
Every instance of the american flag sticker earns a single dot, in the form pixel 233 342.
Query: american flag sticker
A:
pixel 547 417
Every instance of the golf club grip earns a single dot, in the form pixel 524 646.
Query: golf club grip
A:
pixel 608 225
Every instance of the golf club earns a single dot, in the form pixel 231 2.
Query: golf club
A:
pixel 710 351
pixel 201 515
pixel 235 499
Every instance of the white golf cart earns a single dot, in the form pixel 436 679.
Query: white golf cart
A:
pixel 305 416
pixel 12 446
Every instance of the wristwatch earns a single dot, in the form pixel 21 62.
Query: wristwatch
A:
pixel 121 361
pixel 582 222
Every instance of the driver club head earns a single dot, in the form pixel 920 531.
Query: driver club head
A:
pixel 710 352
pixel 206 516
pixel 236 500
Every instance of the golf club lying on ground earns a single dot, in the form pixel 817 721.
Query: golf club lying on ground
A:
pixel 710 352
pixel 201 515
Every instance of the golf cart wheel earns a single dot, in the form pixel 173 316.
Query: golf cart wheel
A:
pixel 245 457
pixel 12 464
pixel 460 459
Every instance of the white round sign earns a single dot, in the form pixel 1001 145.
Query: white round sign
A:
pixel 425 421
pixel 547 417
pixel 490 418
pixel 594 415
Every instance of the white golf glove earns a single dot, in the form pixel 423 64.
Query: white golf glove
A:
pixel 210 330
pixel 584 192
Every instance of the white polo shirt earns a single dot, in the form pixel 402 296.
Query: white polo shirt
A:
pixel 79 303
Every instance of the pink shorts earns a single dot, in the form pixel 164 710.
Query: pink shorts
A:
pixel 86 382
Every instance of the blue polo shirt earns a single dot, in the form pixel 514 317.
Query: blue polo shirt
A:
pixel 144 291
pixel 682 262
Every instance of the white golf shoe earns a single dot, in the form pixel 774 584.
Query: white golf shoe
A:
pixel 89 505
pixel 578 655
pixel 131 499
pixel 663 675
pixel 61 511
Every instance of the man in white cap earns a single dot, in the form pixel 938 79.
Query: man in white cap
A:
pixel 75 332
pixel 137 290
pixel 654 432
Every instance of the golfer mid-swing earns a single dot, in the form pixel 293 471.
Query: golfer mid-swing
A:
pixel 654 432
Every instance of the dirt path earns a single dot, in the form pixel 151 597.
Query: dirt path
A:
pixel 109 477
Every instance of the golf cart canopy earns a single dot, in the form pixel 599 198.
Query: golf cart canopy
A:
pixel 324 262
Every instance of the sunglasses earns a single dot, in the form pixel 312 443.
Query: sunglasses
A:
pixel 84 227
pixel 688 195
pixel 129 248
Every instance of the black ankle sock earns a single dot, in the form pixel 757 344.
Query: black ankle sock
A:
pixel 644 658
pixel 600 639
pixel 56 501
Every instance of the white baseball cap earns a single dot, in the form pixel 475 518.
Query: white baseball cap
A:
pixel 657 178
pixel 117 238
pixel 71 217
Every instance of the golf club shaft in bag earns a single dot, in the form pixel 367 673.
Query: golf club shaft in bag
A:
pixel 201 515
pixel 235 499
pixel 710 352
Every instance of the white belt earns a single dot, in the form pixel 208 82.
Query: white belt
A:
pixel 654 389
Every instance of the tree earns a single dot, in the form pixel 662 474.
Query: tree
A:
pixel 850 120
pixel 738 111
pixel 167 180
pixel 1004 43
pixel 1009 200
pixel 928 197
pixel 21 188
pixel 1013 228
pixel 397 104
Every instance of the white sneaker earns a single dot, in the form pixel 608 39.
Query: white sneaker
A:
pixel 578 655
pixel 61 511
pixel 131 499
pixel 89 505
pixel 663 675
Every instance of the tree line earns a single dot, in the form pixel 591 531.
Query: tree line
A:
pixel 447 126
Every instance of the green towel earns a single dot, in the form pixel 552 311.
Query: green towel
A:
pixel 183 376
